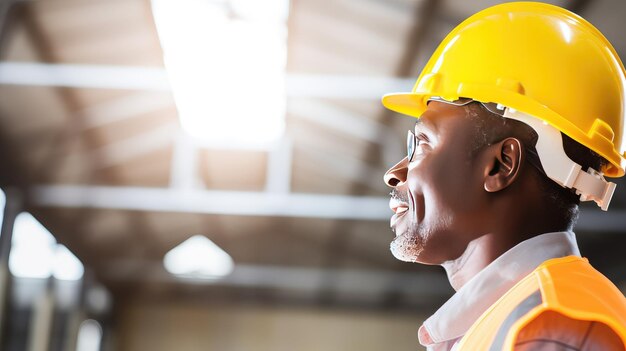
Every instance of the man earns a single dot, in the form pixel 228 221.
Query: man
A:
pixel 520 115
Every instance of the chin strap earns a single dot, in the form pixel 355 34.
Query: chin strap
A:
pixel 589 184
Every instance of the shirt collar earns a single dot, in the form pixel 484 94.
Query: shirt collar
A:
pixel 486 287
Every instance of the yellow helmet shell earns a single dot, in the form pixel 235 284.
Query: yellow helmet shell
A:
pixel 536 58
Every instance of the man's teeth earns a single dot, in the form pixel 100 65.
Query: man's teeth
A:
pixel 401 209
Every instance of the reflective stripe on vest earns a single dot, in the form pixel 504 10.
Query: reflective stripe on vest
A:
pixel 518 312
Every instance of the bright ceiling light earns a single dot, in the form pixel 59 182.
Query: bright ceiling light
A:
pixel 36 254
pixel 31 240
pixel 66 266
pixel 198 257
pixel 89 336
pixel 226 64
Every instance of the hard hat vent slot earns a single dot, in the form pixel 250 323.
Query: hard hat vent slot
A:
pixel 602 129
pixel 510 85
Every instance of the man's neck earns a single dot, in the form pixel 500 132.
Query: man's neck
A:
pixel 476 257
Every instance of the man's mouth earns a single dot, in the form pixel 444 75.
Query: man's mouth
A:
pixel 399 208
pixel 397 205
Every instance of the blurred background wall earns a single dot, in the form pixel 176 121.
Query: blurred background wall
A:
pixel 207 174
pixel 181 326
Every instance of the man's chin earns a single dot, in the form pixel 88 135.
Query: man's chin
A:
pixel 406 248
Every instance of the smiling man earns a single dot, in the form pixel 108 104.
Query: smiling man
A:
pixel 520 116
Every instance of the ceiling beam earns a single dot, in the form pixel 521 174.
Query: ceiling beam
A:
pixel 155 79
pixel 239 203
pixel 243 203
pixel 84 76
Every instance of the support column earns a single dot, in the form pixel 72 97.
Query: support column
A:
pixel 12 208
pixel 77 314
pixel 41 321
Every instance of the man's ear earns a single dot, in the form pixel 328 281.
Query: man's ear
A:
pixel 505 158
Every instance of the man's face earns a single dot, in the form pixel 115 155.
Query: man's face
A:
pixel 437 196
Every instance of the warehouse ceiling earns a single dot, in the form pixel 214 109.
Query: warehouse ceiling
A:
pixel 88 126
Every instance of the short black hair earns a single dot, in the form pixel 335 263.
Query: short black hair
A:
pixel 491 128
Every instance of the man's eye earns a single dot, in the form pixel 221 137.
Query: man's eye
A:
pixel 420 144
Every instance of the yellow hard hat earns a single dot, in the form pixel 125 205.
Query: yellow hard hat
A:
pixel 536 58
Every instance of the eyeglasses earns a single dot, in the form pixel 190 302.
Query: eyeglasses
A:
pixel 411 145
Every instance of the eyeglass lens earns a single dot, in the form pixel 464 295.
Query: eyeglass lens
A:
pixel 410 145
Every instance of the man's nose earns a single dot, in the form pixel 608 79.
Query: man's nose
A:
pixel 397 174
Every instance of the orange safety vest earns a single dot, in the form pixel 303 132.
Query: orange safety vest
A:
pixel 568 285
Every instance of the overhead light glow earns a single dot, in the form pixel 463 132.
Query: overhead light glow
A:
pixel 36 254
pixel 66 266
pixel 226 65
pixel 31 239
pixel 198 257
pixel 89 336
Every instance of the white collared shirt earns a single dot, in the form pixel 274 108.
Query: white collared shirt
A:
pixel 446 327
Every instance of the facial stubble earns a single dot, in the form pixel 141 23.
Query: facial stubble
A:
pixel 408 245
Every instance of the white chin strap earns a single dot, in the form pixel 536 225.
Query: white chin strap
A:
pixel 590 184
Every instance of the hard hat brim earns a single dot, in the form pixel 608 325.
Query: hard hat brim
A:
pixel 409 104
